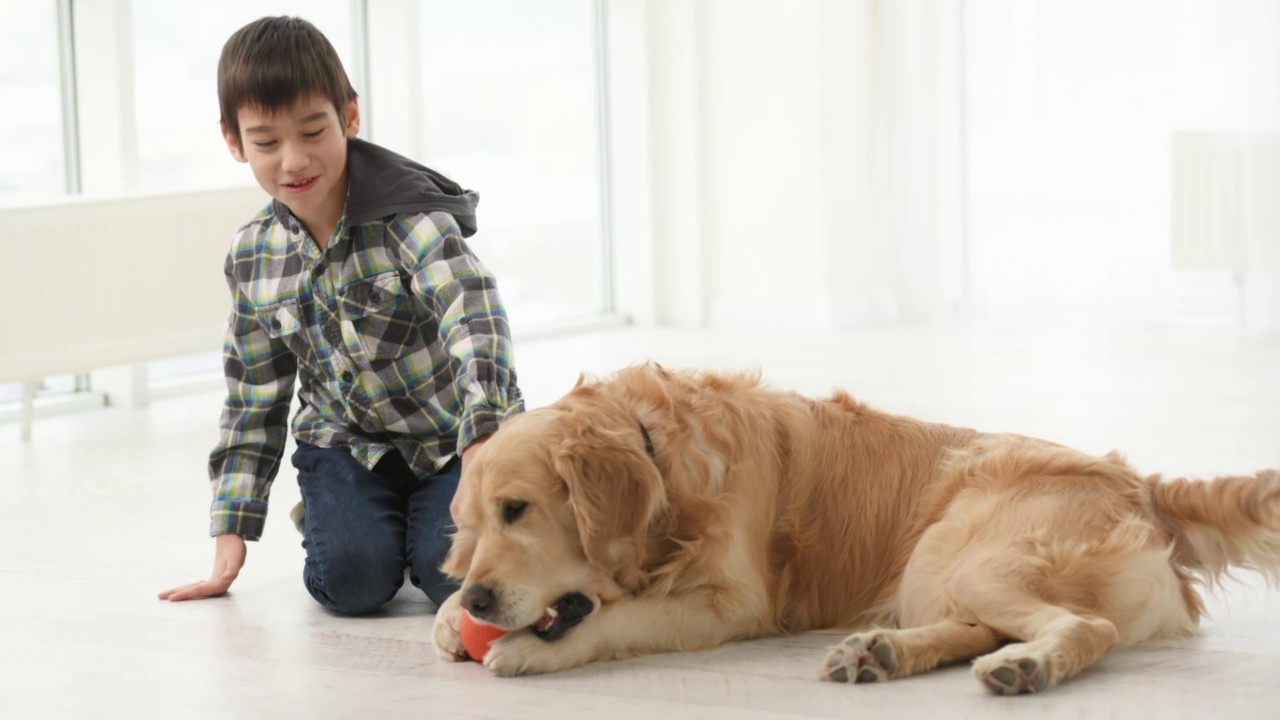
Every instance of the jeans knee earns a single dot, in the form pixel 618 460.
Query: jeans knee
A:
pixel 355 587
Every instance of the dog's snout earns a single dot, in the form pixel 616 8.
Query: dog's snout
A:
pixel 478 600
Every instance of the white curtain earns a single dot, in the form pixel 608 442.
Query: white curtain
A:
pixel 893 216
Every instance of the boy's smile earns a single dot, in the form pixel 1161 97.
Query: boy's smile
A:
pixel 301 185
pixel 298 154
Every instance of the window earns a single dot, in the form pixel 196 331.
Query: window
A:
pixel 175 58
pixel 31 128
pixel 510 107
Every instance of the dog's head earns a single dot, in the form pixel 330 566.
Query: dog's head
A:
pixel 555 515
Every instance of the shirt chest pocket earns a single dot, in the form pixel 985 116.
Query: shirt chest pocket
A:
pixel 382 316
pixel 284 321
pixel 281 319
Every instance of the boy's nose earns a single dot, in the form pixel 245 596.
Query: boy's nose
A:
pixel 295 161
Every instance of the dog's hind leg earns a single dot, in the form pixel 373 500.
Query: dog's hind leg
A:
pixel 1056 643
pixel 877 655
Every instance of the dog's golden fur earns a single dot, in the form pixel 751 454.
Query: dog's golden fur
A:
pixel 760 512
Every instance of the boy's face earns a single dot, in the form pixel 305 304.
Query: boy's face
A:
pixel 299 155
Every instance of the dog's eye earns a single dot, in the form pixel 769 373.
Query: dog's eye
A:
pixel 512 510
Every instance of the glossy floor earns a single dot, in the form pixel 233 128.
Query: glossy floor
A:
pixel 105 508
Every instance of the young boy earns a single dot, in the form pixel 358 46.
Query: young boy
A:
pixel 356 281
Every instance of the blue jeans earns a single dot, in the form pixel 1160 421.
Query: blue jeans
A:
pixel 363 527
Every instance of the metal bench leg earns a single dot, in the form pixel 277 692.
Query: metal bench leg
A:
pixel 29 389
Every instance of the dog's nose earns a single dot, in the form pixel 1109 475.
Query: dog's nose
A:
pixel 478 600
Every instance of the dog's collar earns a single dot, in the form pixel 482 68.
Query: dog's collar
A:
pixel 648 442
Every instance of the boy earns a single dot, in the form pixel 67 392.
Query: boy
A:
pixel 356 280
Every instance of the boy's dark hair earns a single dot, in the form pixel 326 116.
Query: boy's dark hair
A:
pixel 273 61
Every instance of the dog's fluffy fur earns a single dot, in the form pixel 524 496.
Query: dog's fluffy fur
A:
pixel 757 512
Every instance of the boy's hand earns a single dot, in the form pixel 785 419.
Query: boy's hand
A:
pixel 228 558
pixel 467 454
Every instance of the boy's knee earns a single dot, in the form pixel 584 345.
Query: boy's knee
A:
pixel 355 586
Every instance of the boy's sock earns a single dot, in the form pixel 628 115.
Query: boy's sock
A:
pixel 299 517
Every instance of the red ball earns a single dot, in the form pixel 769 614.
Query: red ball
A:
pixel 477 637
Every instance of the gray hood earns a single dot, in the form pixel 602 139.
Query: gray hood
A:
pixel 383 183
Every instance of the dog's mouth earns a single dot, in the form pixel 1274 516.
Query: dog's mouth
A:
pixel 562 616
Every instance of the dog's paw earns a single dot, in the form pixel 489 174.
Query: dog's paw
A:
pixel 523 653
pixel 1014 670
pixel 520 654
pixel 861 658
pixel 445 633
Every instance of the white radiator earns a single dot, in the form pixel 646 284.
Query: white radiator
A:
pixel 1226 202
pixel 95 283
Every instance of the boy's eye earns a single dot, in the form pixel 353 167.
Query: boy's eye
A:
pixel 263 145
pixel 512 510
pixel 315 134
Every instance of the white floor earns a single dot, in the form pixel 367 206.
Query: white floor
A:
pixel 105 508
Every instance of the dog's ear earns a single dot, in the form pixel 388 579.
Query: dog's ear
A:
pixel 616 491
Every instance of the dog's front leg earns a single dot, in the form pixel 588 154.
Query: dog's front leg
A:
pixel 628 628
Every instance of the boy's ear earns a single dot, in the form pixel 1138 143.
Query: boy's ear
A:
pixel 233 143
pixel 351 113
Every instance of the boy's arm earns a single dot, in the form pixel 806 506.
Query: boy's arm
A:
pixel 260 372
pixel 473 322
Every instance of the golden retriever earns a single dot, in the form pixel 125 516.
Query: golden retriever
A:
pixel 660 511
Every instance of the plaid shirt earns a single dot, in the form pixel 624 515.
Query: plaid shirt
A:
pixel 396 335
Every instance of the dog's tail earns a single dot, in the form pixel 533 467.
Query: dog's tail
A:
pixel 1229 522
